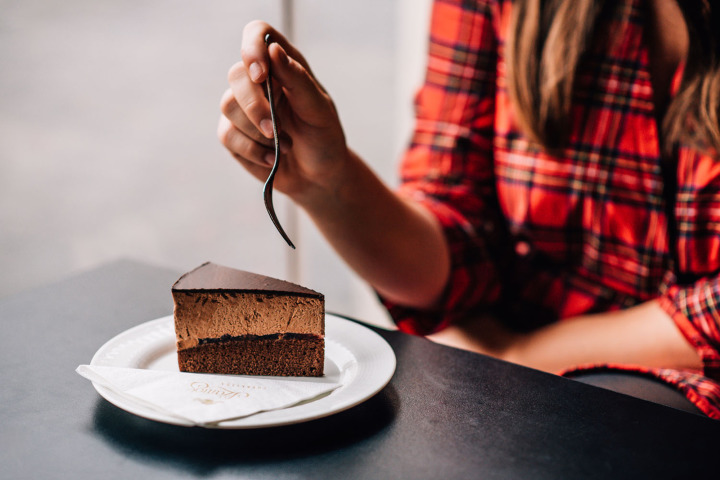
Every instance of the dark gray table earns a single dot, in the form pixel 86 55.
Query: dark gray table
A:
pixel 445 414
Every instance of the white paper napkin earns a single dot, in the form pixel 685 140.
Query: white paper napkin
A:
pixel 205 399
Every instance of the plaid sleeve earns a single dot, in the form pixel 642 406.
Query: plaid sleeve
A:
pixel 448 167
pixel 694 301
pixel 695 309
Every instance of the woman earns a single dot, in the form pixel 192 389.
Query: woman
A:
pixel 561 193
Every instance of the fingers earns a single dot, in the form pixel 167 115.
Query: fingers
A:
pixel 261 131
pixel 306 97
pixel 258 171
pixel 255 53
pixel 235 114
pixel 250 100
pixel 242 146
pixel 305 109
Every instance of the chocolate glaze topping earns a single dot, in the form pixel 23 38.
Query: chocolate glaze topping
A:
pixel 210 277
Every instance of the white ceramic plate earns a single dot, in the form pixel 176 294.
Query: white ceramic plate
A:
pixel 357 355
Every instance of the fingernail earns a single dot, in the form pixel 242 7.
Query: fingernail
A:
pixel 255 70
pixel 270 158
pixel 267 127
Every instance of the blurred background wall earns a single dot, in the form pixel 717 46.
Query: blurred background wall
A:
pixel 108 114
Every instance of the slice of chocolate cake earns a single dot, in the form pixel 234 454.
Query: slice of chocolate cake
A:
pixel 236 322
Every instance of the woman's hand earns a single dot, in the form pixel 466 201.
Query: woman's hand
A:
pixel 312 142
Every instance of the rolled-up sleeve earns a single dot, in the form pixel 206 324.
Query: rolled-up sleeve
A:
pixel 693 302
pixel 449 165
pixel 695 309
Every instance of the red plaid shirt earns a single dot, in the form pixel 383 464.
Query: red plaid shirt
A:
pixel 542 237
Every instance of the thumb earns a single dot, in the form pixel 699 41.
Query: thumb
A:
pixel 306 97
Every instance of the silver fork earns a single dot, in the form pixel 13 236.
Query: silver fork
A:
pixel 268 188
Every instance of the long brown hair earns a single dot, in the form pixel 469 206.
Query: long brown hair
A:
pixel 547 40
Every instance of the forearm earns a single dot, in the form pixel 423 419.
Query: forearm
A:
pixel 397 246
pixel 641 335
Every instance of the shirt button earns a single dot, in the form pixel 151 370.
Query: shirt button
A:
pixel 522 248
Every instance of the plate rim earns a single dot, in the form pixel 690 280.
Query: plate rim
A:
pixel 383 357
